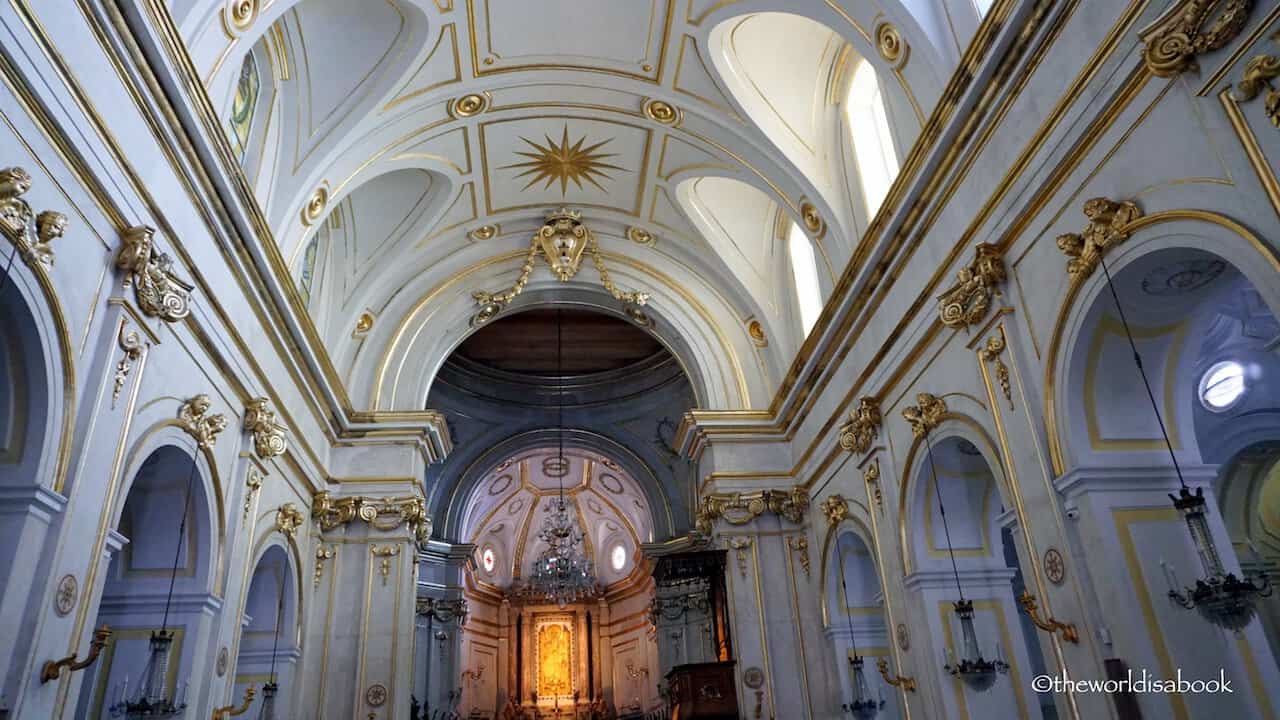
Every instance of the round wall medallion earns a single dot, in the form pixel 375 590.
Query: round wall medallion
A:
pixel 756 331
pixel 640 235
pixel 242 13
pixel 890 45
pixel 1182 277
pixel 812 219
pixel 364 323
pixel 221 665
pixel 1055 567
pixel 611 483
pixel 753 677
pixel 500 484
pixel 314 208
pixel 661 111
pixel 375 695
pixel 469 105
pixel 484 232
pixel 65 599
pixel 904 640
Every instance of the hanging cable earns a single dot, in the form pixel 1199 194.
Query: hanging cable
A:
pixel 942 510
pixel 182 529
pixel 844 599
pixel 562 465
pixel 275 644
pixel 1137 360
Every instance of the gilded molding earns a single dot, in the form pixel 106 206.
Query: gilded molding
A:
pixel 158 291
pixel 289 519
pixel 1258 74
pixel 1108 227
pixel 800 546
pixel 1191 28
pixel 131 343
pixel 991 353
pixel 742 508
pixel 194 418
pixel 871 477
pixel 969 299
pixel 383 514
pixel 925 415
pixel 269 436
pixel 32 234
pixel 835 509
pixel 863 426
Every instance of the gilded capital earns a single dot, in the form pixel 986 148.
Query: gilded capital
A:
pixel 158 291
pixel 1108 227
pixel 194 418
pixel 835 509
pixel 863 426
pixel 969 299
pixel 1190 28
pixel 926 414
pixel 31 234
pixel 380 513
pixel 269 436
pixel 742 508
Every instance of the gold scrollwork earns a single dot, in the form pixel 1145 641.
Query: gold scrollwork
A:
pixel 131 343
pixel 383 514
pixel 288 519
pixel 742 508
pixel 31 234
pixel 1190 28
pixel 1108 227
pixel 968 301
pixel 905 682
pixel 926 414
pixel 468 105
pixel 863 426
pixel 315 206
pixel 53 668
pixel 991 353
pixel 159 292
pixel 269 436
pixel 1049 625
pixel 194 419
pixel 891 46
pixel 835 509
pixel 800 546
pixel 661 111
pixel 1258 74
pixel 871 477
pixel 562 241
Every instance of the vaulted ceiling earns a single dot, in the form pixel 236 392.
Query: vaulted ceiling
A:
pixel 404 151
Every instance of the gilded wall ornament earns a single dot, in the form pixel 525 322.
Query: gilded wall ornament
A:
pixel 468 105
pixel 383 514
pixel 891 46
pixel 1055 567
pixel 812 219
pixel 925 415
pixel 484 232
pixel 364 324
pixel 800 546
pixel 756 332
pixel 661 111
pixel 32 234
pixel 254 484
pixel 562 241
pixel 1190 28
pixel 314 209
pixel 289 519
pixel 1108 227
pixel 742 508
pixel 863 426
pixel 835 509
pixel 322 554
pixel 376 695
pixel 242 13
pixel 220 666
pixel 990 353
pixel 158 291
pixel 903 637
pixel 640 236
pixel 194 418
pixel 1258 74
pixel 385 552
pixel 871 478
pixel 565 162
pixel 969 299
pixel 131 343
pixel 269 436
pixel 739 544
pixel 64 600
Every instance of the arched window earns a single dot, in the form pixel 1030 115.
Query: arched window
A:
pixel 983 6
pixel 244 103
pixel 804 271
pixel 872 143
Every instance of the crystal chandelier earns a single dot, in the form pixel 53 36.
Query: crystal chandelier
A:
pixel 974 670
pixel 861 706
pixel 1221 598
pixel 153 699
pixel 562 573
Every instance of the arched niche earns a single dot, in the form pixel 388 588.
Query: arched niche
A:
pixel 269 629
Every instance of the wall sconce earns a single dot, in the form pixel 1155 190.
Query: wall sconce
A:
pixel 1050 625
pixel 53 668
pixel 223 713
pixel 905 682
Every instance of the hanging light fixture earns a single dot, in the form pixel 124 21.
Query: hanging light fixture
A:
pixel 153 699
pixel 270 689
pixel 861 706
pixel 562 573
pixel 1221 598
pixel 974 670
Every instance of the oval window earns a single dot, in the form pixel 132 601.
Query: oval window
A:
pixel 618 557
pixel 488 560
pixel 1222 386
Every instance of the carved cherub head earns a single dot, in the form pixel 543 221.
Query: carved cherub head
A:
pixel 14 181
pixel 50 225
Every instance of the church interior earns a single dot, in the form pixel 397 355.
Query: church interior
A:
pixel 639 359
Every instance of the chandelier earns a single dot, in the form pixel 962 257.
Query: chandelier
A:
pixel 1221 598
pixel 973 670
pixel 562 573
pixel 861 706
pixel 153 699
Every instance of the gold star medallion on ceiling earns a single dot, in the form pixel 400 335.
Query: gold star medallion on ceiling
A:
pixel 565 162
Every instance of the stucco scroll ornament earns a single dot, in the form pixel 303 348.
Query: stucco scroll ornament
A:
pixel 288 519
pixel 1190 28
pixel 990 353
pixel 158 291
pixel 381 513
pixel 835 509
pixel 269 436
pixel 863 426
pixel 194 418
pixel 31 234
pixel 131 343
pixel 742 508
pixel 968 301
pixel 871 477
pixel 1258 74
pixel 926 414
pixel 1108 227
pixel 800 545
